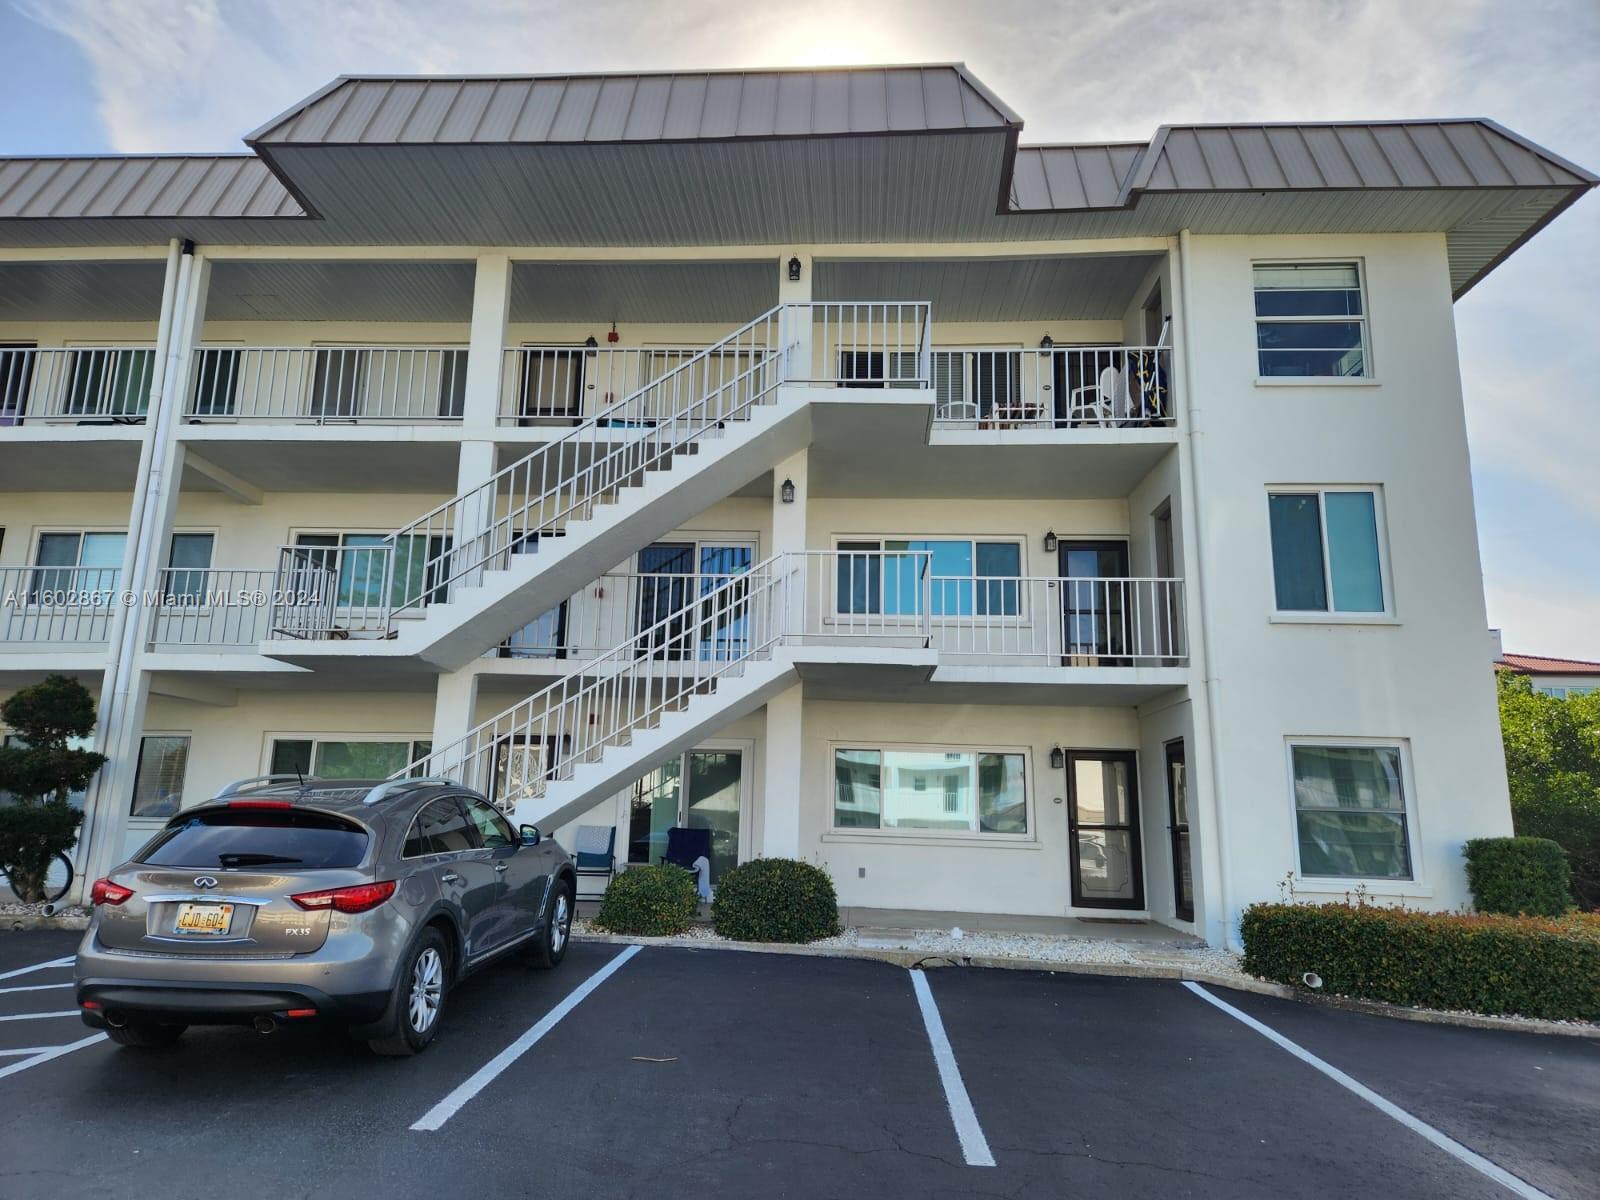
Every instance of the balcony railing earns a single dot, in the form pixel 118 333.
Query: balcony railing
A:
pixel 102 385
pixel 1060 387
pixel 322 385
pixel 559 385
pixel 218 608
pixel 57 606
pixel 614 608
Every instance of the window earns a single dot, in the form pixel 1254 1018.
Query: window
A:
pixel 110 382
pixel 158 783
pixel 967 577
pixel 494 831
pixel 419 563
pixel 1310 320
pixel 872 369
pixel 1563 691
pixel 354 759
pixel 943 791
pixel 1350 811
pixel 216 381
pixel 440 828
pixel 78 563
pixel 977 383
pixel 550 382
pixel 188 561
pixel 224 838
pixel 16 377
pixel 1325 551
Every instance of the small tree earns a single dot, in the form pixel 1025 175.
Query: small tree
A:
pixel 37 821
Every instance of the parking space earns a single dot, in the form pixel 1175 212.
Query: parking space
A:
pixel 671 1072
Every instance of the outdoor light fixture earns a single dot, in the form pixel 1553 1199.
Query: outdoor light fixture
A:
pixel 1058 758
pixel 590 344
pixel 1047 342
pixel 794 269
pixel 786 491
pixel 1050 542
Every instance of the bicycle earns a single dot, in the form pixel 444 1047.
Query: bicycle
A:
pixel 57 880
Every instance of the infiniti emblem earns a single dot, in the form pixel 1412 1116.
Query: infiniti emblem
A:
pixel 205 881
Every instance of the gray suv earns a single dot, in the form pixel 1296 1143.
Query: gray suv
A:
pixel 285 900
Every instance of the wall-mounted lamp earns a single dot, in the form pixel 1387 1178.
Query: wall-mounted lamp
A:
pixel 1050 542
pixel 590 344
pixel 786 491
pixel 794 269
pixel 1058 758
pixel 1047 342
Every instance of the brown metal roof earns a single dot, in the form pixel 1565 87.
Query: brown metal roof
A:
pixel 659 107
pixel 165 185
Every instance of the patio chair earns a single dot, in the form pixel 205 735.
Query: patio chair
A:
pixel 594 853
pixel 1097 403
pixel 685 847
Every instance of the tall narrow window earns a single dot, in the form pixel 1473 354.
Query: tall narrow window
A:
pixel 188 562
pixel 1325 551
pixel 158 783
pixel 1310 320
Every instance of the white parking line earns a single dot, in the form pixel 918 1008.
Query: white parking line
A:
pixel 48 1055
pixel 441 1112
pixel 25 1051
pixel 44 966
pixel 1389 1109
pixel 71 1012
pixel 974 1146
pixel 35 987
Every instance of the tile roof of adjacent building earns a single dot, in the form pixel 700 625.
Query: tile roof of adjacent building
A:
pixel 1535 664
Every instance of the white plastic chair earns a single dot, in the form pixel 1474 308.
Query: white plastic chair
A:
pixel 1096 403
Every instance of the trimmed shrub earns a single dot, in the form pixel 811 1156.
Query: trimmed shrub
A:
pixel 39 772
pixel 654 901
pixel 1525 876
pixel 775 900
pixel 1566 809
pixel 1528 966
pixel 30 837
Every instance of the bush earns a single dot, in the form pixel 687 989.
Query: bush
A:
pixel 1530 966
pixel 1566 809
pixel 39 772
pixel 31 835
pixel 656 901
pixel 1525 876
pixel 775 900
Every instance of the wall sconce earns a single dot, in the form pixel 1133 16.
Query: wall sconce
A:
pixel 1058 758
pixel 590 344
pixel 794 269
pixel 1047 342
pixel 786 491
pixel 1050 542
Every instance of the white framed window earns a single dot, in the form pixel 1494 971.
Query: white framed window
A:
pixel 81 563
pixel 968 576
pixel 344 756
pixel 1352 808
pixel 1328 550
pixel 158 781
pixel 1311 320
pixel 930 790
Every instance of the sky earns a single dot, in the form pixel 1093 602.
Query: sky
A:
pixel 85 76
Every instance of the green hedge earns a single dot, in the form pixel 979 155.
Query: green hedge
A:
pixel 30 836
pixel 1530 966
pixel 656 901
pixel 1519 876
pixel 775 900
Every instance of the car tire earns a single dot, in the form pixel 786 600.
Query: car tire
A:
pixel 550 947
pixel 146 1036
pixel 416 1006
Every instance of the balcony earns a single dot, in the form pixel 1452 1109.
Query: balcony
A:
pixel 83 385
pixel 57 608
pixel 1066 387
pixel 327 385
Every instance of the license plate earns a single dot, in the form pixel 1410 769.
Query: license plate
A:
pixel 204 918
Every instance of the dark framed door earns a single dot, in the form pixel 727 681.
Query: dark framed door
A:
pixel 1178 828
pixel 1096 622
pixel 1103 821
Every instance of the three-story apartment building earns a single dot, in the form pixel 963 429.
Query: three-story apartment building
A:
pixel 1063 530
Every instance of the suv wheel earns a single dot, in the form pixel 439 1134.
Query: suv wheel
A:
pixel 550 947
pixel 417 1005
pixel 145 1036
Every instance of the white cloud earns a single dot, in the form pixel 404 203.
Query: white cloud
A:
pixel 197 74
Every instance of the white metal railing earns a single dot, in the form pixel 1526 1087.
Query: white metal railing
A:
pixel 860 343
pixel 809 598
pixel 612 609
pixel 329 384
pixel 554 384
pixel 57 606
pixel 335 592
pixel 212 607
pixel 1060 387
pixel 105 384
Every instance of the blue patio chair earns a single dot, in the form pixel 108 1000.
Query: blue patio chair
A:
pixel 686 845
pixel 594 853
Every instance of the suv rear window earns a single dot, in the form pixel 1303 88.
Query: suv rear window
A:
pixel 228 838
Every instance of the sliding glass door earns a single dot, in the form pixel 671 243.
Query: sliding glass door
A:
pixel 698 790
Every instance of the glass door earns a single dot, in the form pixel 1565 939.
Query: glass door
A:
pixel 675 573
pixel 1095 616
pixel 1103 818
pixel 1178 809
pixel 702 789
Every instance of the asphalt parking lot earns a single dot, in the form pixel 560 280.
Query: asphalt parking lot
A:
pixel 668 1072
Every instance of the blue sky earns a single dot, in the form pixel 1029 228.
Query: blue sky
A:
pixel 131 75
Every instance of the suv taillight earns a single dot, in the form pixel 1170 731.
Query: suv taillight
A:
pixel 106 892
pixel 358 898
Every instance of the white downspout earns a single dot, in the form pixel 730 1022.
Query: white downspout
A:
pixel 1205 702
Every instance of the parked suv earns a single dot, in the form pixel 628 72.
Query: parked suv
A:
pixel 286 899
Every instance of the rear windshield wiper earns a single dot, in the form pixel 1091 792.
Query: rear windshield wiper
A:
pixel 245 859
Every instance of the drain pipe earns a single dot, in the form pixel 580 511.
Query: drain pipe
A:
pixel 1205 702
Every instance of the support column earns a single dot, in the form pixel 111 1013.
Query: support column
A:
pixel 797 323
pixel 491 307
pixel 781 775
pixel 455 704
pixel 125 689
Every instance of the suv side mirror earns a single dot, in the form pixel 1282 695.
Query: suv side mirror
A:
pixel 530 835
